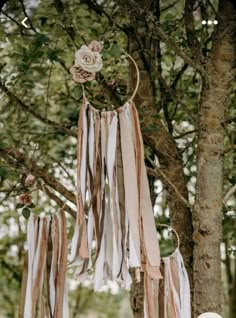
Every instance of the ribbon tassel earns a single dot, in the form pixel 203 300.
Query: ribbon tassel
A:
pixel 45 268
pixel 119 213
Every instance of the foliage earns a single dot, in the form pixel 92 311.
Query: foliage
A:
pixel 34 67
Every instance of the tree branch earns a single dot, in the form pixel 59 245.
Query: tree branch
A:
pixel 135 9
pixel 160 174
pixel 157 31
pixel 44 189
pixel 192 40
pixel 16 158
pixel 178 76
pixel 185 134
pixel 12 19
pixel 30 110
pixel 229 193
pixel 55 198
pixel 98 9
pixel 26 15
pixel 174 96
pixel 168 7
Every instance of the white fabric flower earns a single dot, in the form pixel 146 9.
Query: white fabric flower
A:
pixel 29 180
pixel 88 60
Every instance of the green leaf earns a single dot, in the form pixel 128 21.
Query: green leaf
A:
pixel 76 91
pixel 106 44
pixel 26 213
pixel 19 205
pixel 53 55
pixel 43 20
pixel 3 172
pixel 151 128
pixel 38 54
pixel 32 205
pixel 41 39
pixel 23 67
pixel 156 116
pixel 3 144
pixel 2 34
pixel 115 50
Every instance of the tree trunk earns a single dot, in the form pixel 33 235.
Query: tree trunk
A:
pixel 207 214
pixel 137 295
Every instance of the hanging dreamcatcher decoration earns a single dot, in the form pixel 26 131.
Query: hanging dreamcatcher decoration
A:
pixel 115 229
pixel 113 199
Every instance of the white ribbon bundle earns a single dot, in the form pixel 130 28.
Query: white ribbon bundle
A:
pixel 114 205
pixel 174 290
pixel 44 276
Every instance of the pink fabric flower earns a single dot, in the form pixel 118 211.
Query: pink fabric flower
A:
pixel 25 199
pixel 80 76
pixel 96 46
pixel 29 180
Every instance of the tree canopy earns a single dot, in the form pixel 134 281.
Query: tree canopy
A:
pixel 186 102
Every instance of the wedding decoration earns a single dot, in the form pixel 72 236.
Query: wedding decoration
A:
pixel 88 61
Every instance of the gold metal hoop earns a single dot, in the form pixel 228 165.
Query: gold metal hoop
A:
pixel 138 76
pixel 172 229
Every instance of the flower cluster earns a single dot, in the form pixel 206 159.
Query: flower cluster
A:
pixel 88 61
pixel 25 199
pixel 29 180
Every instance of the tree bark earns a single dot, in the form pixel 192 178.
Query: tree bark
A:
pixel 207 214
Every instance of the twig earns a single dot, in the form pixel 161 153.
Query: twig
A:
pixel 98 9
pixel 12 19
pixel 171 43
pixel 158 33
pixel 178 76
pixel 192 40
pixel 26 15
pixel 173 94
pixel 55 198
pixel 230 148
pixel 21 34
pixel 229 193
pixel 185 134
pixel 158 173
pixel 15 158
pixel 63 168
pixel 169 6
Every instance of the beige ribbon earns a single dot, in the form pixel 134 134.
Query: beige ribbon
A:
pixel 130 185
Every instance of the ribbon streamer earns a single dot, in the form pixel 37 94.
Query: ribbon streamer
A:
pixel 44 275
pixel 114 205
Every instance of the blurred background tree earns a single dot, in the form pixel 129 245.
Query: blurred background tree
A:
pixel 186 103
